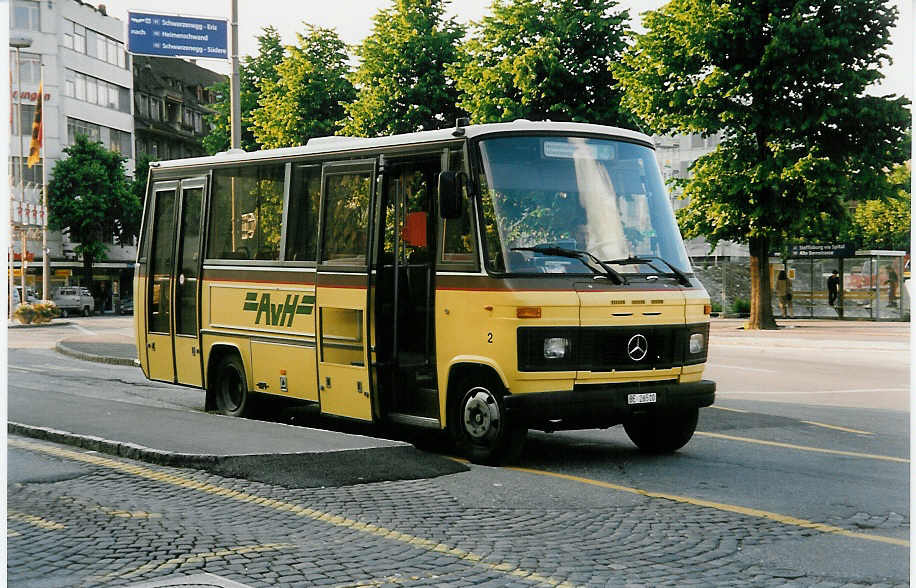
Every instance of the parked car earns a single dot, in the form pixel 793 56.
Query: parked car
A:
pixel 74 299
pixel 127 305
pixel 30 295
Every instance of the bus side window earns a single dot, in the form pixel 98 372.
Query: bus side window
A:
pixel 457 234
pixel 246 213
pixel 302 225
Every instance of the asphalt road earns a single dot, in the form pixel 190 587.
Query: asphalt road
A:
pixel 798 476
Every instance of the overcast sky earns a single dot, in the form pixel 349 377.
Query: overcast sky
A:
pixel 352 20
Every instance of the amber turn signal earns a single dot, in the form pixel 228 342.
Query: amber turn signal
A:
pixel 528 312
pixel 707 308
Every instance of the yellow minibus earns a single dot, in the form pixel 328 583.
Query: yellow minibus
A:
pixel 483 280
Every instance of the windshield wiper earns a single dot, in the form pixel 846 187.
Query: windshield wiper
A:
pixel 580 255
pixel 647 260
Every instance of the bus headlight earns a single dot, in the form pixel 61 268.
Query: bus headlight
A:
pixel 696 343
pixel 556 347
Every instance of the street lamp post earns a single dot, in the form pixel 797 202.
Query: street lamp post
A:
pixel 19 43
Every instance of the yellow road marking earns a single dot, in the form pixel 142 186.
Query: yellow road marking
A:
pixel 114 512
pixel 836 428
pixel 15 515
pixel 391 580
pixel 12 533
pixel 183 559
pixel 753 512
pixel 295 509
pixel 804 447
pixel 728 409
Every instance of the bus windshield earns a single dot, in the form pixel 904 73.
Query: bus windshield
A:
pixel 550 193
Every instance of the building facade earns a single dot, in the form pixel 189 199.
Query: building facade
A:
pixel 171 102
pixel 675 155
pixel 87 90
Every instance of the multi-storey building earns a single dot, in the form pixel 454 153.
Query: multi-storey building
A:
pixel 171 100
pixel 87 90
pixel 675 155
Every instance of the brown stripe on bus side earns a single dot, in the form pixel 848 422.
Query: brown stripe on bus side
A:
pixel 342 280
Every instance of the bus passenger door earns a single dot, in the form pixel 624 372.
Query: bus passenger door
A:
pixel 187 270
pixel 160 359
pixel 341 295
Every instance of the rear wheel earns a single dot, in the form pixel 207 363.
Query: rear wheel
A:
pixel 230 387
pixel 64 312
pixel 480 426
pixel 662 431
pixel 85 311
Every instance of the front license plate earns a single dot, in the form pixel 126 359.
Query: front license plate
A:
pixel 641 398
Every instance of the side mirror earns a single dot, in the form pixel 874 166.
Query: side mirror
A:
pixel 450 194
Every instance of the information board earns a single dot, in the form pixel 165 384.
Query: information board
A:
pixel 177 36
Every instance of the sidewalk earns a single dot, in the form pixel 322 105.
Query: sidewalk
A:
pixel 61 406
pixel 825 334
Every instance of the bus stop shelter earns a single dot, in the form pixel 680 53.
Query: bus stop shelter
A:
pixel 874 285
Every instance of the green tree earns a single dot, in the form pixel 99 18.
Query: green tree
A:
pixel 544 59
pixel 254 72
pixel 885 223
pixel 401 78
pixel 308 96
pixel 90 198
pixel 783 82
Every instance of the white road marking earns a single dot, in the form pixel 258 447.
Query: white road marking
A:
pixel 83 330
pixel 739 367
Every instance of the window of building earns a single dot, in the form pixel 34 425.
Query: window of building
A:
pixel 79 38
pixel 120 142
pixel 247 210
pixel 32 175
pixel 26 118
pixel 25 15
pixel 79 127
pixel 29 66
pixel 67 29
pixel 92 90
pixel 156 108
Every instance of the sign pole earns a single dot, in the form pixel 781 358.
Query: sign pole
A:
pixel 234 81
pixel 45 262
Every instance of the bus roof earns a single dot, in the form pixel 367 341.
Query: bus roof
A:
pixel 335 144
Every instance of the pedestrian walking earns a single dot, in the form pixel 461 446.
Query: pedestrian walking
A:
pixel 833 288
pixel 784 293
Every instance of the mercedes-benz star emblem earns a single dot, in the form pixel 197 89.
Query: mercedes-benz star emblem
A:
pixel 637 347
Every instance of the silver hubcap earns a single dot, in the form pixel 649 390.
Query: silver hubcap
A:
pixel 481 413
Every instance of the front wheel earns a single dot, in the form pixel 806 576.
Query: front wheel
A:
pixel 662 431
pixel 64 313
pixel 85 311
pixel 231 387
pixel 480 426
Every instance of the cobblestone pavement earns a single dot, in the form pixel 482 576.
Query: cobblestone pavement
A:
pixel 117 522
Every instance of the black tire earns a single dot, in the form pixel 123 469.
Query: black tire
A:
pixel 230 387
pixel 662 431
pixel 64 313
pixel 479 424
pixel 85 311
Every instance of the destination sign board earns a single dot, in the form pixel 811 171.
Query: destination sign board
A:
pixel 825 250
pixel 177 36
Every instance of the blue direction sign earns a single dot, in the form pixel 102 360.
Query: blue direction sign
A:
pixel 177 36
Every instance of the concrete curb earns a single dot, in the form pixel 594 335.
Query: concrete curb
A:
pixel 38 325
pixel 292 470
pixel 62 348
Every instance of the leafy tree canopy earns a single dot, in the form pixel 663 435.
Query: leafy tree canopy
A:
pixel 885 223
pixel 545 59
pixel 784 83
pixel 90 197
pixel 308 96
pixel 254 71
pixel 402 82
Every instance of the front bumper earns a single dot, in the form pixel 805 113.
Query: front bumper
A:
pixel 604 405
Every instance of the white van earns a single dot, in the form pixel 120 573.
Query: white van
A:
pixel 74 299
